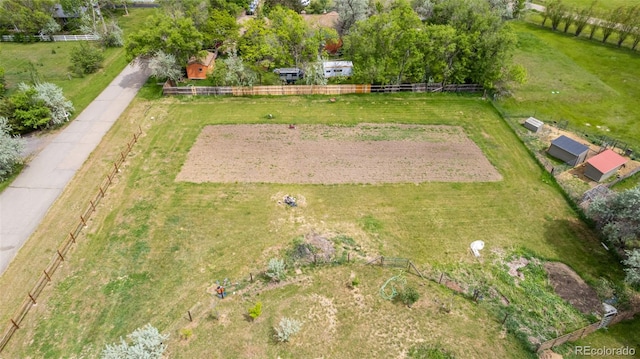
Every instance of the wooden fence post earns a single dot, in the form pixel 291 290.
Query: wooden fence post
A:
pixel 15 324
pixel 47 274
pixel 190 319
pixel 73 238
pixel 440 280
pixel 251 276
pixel 382 261
pixel 32 299
pixel 60 254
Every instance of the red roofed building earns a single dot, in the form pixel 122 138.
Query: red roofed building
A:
pixel 603 165
pixel 197 69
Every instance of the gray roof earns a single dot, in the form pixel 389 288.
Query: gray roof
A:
pixel 573 147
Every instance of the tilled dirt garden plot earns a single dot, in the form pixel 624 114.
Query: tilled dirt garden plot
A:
pixel 316 154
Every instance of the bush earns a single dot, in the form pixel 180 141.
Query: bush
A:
pixel 286 328
pixel 276 269
pixel 255 311
pixel 147 342
pixel 186 333
pixel 112 37
pixel 429 352
pixel 24 111
pixel 86 59
pixel 52 97
pixel 408 296
pixel 10 150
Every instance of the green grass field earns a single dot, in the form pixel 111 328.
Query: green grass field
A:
pixel 602 5
pixel 597 84
pixel 156 245
pixel 49 62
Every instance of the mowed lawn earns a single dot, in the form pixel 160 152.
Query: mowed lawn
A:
pixel 607 5
pixel 50 62
pixel 584 82
pixel 155 245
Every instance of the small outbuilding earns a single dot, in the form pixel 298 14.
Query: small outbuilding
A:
pixel 533 124
pixel 198 68
pixel 289 74
pixel 603 165
pixel 568 150
pixel 337 68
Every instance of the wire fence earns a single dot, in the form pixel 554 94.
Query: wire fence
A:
pixel 65 246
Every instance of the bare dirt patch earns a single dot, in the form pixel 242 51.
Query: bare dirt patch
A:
pixel 316 154
pixel 570 287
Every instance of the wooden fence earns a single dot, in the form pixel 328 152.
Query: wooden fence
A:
pixel 316 89
pixel 582 332
pixel 64 247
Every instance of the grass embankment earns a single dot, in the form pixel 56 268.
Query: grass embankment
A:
pixel 156 245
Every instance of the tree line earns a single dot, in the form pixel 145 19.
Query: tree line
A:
pixel 449 41
pixel 623 21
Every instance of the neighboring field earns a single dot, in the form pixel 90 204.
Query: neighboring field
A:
pixel 331 155
pixel 156 245
pixel 602 5
pixel 50 61
pixel 580 81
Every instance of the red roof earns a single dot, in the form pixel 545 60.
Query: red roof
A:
pixel 606 161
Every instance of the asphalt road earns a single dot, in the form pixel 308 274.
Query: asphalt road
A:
pixel 25 202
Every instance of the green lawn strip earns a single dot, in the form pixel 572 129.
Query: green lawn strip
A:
pixel 160 244
pixel 585 4
pixel 596 84
pixel 621 335
pixel 50 61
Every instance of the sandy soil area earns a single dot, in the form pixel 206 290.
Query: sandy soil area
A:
pixel 317 154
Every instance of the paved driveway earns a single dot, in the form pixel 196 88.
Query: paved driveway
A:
pixel 27 200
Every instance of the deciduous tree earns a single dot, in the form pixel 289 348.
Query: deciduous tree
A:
pixel 28 16
pixel 164 66
pixel 178 37
pixel 350 12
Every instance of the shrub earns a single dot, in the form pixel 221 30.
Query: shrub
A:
pixel 147 342
pixel 86 59
pixel 408 296
pixel 53 98
pixel 429 352
pixel 286 328
pixel 112 37
pixel 255 311
pixel 10 150
pixel 186 333
pixel 276 269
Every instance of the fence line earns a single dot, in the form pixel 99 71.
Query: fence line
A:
pixel 281 90
pixel 65 246
pixel 47 38
pixel 584 331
